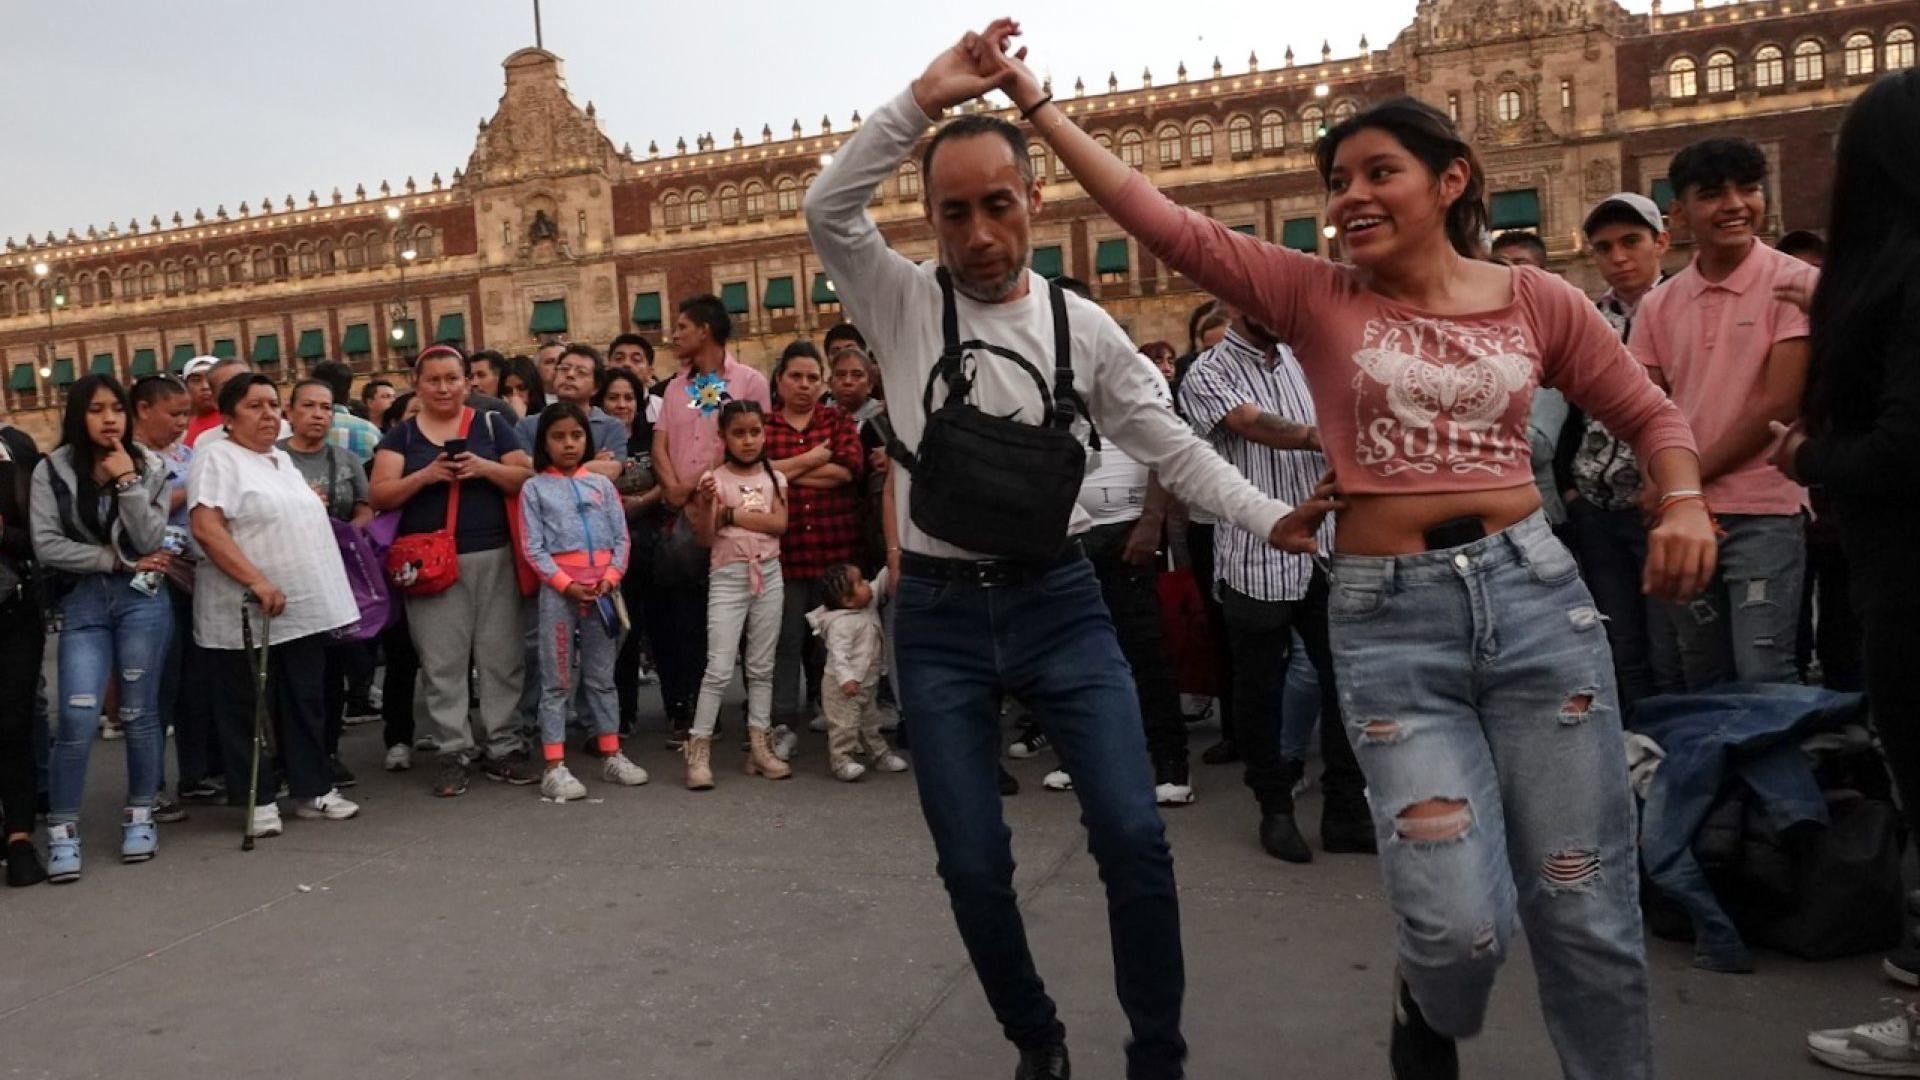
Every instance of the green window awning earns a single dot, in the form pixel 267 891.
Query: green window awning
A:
pixel 779 294
pixel 1300 234
pixel 63 371
pixel 357 341
pixel 1049 262
pixel 646 309
pixel 404 333
pixel 1663 194
pixel 312 346
pixel 549 317
pixel 224 348
pixel 182 353
pixel 102 364
pixel 450 330
pixel 266 349
pixel 145 362
pixel 21 381
pixel 1111 257
pixel 1516 209
pixel 823 290
pixel 734 295
pixel 1249 229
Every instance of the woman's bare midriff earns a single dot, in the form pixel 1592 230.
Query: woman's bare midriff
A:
pixel 1397 524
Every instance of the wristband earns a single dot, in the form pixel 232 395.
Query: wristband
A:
pixel 1027 113
pixel 1675 498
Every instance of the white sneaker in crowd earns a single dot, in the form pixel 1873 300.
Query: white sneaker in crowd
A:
pixel 785 742
pixel 818 723
pixel 1057 780
pixel 427 744
pixel 559 785
pixel 399 758
pixel 619 769
pixel 890 762
pixel 332 806
pixel 1889 1047
pixel 849 770
pixel 266 820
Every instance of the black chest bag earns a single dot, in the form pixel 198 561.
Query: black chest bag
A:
pixel 992 484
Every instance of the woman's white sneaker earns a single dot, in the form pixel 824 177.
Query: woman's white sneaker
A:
pixel 890 762
pixel 619 769
pixel 266 820
pixel 1889 1047
pixel 399 758
pixel 559 785
pixel 332 806
pixel 849 770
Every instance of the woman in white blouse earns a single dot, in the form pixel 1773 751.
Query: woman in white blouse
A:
pixel 270 551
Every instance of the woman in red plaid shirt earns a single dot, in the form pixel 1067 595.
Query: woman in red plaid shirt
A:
pixel 817 448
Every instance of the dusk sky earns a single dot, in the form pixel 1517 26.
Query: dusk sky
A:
pixel 118 109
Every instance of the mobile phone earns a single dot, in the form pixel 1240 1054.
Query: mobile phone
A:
pixel 456 447
pixel 609 615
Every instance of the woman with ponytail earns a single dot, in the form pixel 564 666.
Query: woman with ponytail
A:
pixel 1473 668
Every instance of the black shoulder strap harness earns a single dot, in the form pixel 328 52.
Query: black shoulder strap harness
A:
pixel 1061 406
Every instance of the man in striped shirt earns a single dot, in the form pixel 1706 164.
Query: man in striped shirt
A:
pixel 1247 397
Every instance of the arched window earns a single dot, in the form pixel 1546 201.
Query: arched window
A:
pixel 426 243
pixel 1200 142
pixel 1769 66
pixel 1682 78
pixel 6 301
pixel 1169 140
pixel 1899 49
pixel 356 254
pixel 190 269
pixel 23 296
pixel 697 208
pixel 1857 54
pixel 282 265
pixel 729 204
pixel 1133 149
pixel 755 197
pixel 262 265
pixel 1105 140
pixel 308 264
pixel 149 283
pixel 1273 131
pixel 1345 111
pixel 127 284
pixel 83 290
pixel 1037 159
pixel 786 196
pixel 376 250
pixel 1313 124
pixel 1240 136
pixel 324 255
pixel 176 281
pixel 216 272
pixel 909 181
pixel 673 213
pixel 1809 62
pixel 1720 73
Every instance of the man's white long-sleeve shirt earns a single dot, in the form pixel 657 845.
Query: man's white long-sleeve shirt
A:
pixel 896 304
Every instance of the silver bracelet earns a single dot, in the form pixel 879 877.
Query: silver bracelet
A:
pixel 1685 493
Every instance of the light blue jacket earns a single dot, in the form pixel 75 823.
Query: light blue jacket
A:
pixel 574 528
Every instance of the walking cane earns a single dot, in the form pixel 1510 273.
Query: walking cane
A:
pixel 260 726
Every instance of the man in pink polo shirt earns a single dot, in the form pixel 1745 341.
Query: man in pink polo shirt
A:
pixel 1734 357
pixel 686 443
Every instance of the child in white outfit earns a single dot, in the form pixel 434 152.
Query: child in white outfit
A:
pixel 849 626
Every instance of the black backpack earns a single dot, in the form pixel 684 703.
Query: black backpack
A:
pixel 988 483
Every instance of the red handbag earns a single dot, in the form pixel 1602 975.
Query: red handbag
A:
pixel 427 564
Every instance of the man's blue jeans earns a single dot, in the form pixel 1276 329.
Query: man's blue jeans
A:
pixel 1743 628
pixel 1050 642
pixel 109 629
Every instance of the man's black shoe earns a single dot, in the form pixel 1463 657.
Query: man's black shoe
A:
pixel 1044 1063
pixel 1009 783
pixel 1418 1052
pixel 1221 753
pixel 23 865
pixel 1344 834
pixel 1281 838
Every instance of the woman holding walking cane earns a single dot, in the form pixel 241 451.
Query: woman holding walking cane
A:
pixel 267 541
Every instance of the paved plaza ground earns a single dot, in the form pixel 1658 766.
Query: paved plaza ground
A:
pixel 761 930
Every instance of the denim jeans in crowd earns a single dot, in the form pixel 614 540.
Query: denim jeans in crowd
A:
pixel 563 671
pixel 1476 681
pixel 1612 548
pixel 733 606
pixel 1743 628
pixel 1133 600
pixel 1050 643
pixel 109 629
pixel 800 656
pixel 1299 703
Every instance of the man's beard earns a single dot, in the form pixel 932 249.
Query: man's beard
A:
pixel 992 293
